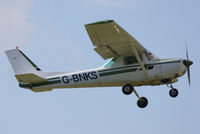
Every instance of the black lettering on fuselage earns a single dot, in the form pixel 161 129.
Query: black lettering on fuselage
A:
pixel 94 75
pixel 87 75
pixel 80 77
pixel 75 78
pixel 65 79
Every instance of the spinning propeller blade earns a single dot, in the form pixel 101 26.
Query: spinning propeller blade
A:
pixel 187 52
pixel 188 63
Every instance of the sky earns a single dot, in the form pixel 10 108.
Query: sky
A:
pixel 52 34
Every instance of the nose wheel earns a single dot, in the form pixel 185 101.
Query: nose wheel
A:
pixel 128 89
pixel 173 92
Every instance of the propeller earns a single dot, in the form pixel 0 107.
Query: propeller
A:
pixel 187 64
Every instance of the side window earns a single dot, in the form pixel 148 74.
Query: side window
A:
pixel 110 63
pixel 150 67
pixel 130 60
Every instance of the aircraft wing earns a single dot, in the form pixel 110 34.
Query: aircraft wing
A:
pixel 111 40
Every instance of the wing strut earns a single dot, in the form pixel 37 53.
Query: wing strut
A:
pixel 140 61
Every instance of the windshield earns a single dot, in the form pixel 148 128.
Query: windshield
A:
pixel 110 63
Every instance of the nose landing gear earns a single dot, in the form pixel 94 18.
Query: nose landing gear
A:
pixel 128 89
pixel 173 92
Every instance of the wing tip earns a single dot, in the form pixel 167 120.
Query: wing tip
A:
pixel 100 22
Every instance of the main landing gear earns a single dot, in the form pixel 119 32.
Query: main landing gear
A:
pixel 142 101
pixel 128 89
pixel 173 92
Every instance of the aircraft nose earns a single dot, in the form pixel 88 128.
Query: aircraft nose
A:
pixel 187 63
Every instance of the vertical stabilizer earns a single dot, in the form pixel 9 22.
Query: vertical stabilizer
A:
pixel 21 64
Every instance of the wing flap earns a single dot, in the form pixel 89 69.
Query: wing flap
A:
pixel 105 52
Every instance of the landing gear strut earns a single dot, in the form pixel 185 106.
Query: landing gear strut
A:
pixel 173 92
pixel 128 89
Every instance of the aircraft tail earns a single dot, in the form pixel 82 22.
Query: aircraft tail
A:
pixel 26 72
pixel 20 63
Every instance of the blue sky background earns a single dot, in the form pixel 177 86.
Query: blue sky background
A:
pixel 52 34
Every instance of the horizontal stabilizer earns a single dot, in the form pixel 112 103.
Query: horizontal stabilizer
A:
pixel 41 90
pixel 29 78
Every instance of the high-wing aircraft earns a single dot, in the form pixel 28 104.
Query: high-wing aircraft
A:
pixel 130 65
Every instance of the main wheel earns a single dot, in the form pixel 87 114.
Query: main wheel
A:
pixel 173 92
pixel 127 89
pixel 142 102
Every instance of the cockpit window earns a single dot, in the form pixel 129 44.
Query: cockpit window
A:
pixel 110 63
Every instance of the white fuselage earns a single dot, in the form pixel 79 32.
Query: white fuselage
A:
pixel 159 72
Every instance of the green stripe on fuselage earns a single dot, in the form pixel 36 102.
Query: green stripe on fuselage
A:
pixel 54 78
pixel 126 69
pixel 46 83
pixel 165 62
pixel 113 69
pixel 25 85
pixel 118 72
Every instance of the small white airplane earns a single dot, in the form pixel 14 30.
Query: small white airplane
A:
pixel 130 65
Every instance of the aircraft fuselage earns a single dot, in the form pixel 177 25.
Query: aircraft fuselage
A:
pixel 159 72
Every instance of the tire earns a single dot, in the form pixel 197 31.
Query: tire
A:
pixel 142 102
pixel 127 89
pixel 173 92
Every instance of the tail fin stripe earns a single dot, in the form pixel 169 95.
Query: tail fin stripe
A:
pixel 31 62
